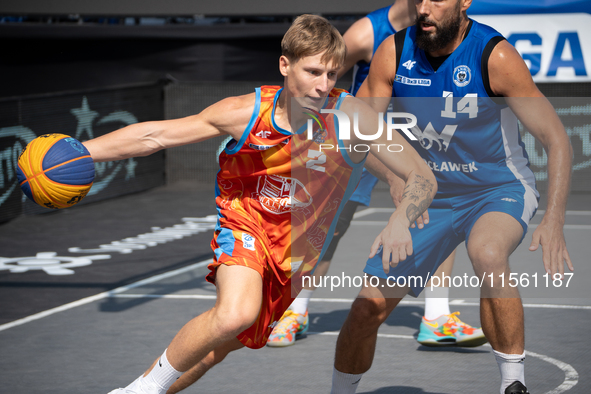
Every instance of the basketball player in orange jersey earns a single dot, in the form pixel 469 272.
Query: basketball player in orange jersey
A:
pixel 279 193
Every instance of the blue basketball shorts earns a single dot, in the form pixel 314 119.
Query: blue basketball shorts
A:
pixel 450 221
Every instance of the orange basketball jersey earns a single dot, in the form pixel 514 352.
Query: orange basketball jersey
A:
pixel 282 189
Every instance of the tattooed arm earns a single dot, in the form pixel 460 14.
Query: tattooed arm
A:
pixel 419 194
pixel 420 183
pixel 397 185
pixel 399 157
pixel 395 240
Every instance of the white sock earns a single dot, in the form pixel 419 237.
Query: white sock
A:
pixel 512 368
pixel 300 304
pixel 436 302
pixel 344 383
pixel 161 377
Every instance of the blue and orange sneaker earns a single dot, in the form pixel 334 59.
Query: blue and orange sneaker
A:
pixel 449 330
pixel 290 326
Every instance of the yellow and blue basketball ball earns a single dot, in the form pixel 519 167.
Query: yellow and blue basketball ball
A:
pixel 55 171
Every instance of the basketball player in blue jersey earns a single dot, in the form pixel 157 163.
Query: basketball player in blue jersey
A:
pixel 486 192
pixel 363 39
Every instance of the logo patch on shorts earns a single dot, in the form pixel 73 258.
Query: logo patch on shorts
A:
pixel 247 241
pixel 295 265
pixel 508 199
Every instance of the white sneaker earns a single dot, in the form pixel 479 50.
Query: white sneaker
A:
pixel 137 387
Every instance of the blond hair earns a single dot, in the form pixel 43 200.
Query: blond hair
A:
pixel 310 35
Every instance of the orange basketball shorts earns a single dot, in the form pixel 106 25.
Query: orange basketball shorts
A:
pixel 234 247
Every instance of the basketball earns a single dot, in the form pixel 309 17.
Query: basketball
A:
pixel 55 171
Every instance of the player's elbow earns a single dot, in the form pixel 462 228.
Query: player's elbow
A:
pixel 559 146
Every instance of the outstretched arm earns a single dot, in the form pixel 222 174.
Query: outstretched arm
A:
pixel 510 77
pixel 228 116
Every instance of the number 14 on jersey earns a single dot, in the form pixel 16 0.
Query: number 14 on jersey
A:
pixel 467 105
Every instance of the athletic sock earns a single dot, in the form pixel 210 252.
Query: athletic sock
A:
pixel 436 302
pixel 161 377
pixel 300 304
pixel 512 368
pixel 344 383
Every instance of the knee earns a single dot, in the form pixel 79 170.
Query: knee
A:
pixel 231 320
pixel 488 258
pixel 367 314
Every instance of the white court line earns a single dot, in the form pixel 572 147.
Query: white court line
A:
pixel 370 211
pixel 569 226
pixel 571 376
pixel 575 213
pixel 338 300
pixel 167 296
pixel 383 223
pixel 100 296
pixel 336 333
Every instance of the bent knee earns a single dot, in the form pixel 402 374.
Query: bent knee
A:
pixel 488 258
pixel 369 312
pixel 232 321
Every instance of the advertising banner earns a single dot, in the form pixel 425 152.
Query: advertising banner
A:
pixel 82 115
pixel 556 47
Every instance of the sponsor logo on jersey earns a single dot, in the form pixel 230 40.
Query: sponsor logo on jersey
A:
pixel 248 241
pixel 462 75
pixel 452 167
pixel 260 147
pixel 412 81
pixel 263 134
pixel 409 64
pixel 278 194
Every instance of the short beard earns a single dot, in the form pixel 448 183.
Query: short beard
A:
pixel 445 32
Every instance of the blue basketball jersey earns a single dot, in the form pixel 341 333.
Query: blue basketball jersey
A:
pixel 382 29
pixel 470 140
